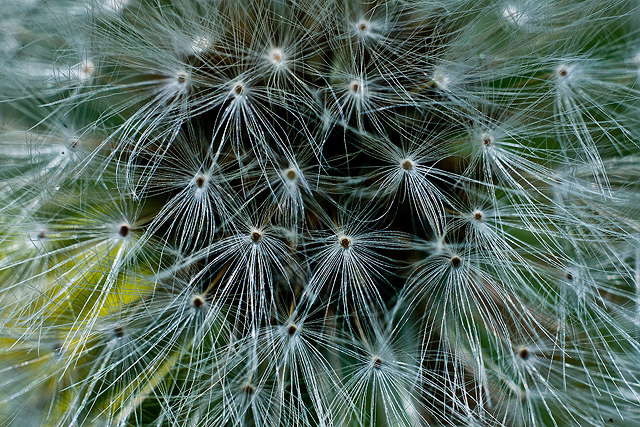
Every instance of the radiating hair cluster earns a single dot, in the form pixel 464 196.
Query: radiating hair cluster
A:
pixel 337 213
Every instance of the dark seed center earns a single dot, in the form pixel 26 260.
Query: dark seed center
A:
pixel 197 302
pixel 292 330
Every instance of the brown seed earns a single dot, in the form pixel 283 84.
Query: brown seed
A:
pixel 182 78
pixel 569 276
pixel 562 72
pixel 87 67
pixel 200 181
pixel 256 236
pixel 290 174
pixel 407 164
pixel 248 389
pixel 478 215
pixel 523 353
pixel 238 89
pixel 291 330
pixel 124 230
pixel 345 242
pixel 198 302
pixel 455 261
pixel 118 331
pixel 377 363
pixel 487 140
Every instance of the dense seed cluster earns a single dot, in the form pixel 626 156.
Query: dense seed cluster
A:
pixel 320 213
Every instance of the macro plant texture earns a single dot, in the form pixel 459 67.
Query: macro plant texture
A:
pixel 320 213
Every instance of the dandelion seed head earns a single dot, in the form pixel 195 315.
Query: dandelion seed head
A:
pixel 239 90
pixel 200 182
pixel 85 70
pixel 363 28
pixel 183 78
pixel 356 88
pixel 277 58
pixel 441 79
pixel 118 332
pixel 256 236
pixel 123 230
pixel 562 71
pixel 487 139
pixel 292 329
pixel 345 242
pixel 38 238
pixel 57 348
pixel 566 74
pixel 200 44
pixel 248 388
pixel 455 261
pixel 290 174
pixel 197 301
pixel 407 164
pixel 376 363
pixel 363 219
pixel 514 16
pixel 276 55
pixel 362 25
